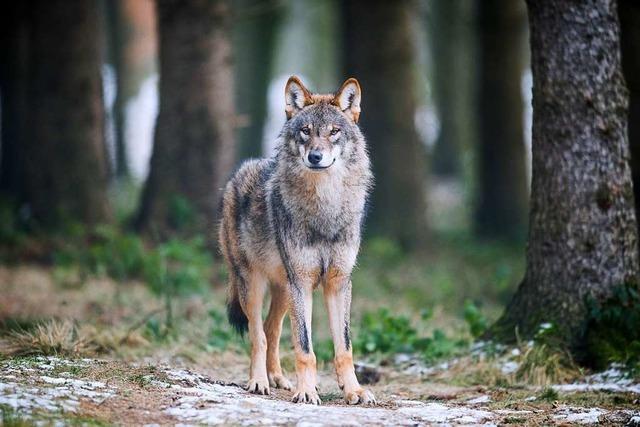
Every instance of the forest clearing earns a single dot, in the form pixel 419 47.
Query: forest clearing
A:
pixel 439 198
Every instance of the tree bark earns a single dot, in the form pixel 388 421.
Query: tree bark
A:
pixel 118 37
pixel 629 13
pixel 193 148
pixel 14 42
pixel 255 28
pixel 379 52
pixel 583 237
pixel 501 205
pixel 64 150
pixel 452 83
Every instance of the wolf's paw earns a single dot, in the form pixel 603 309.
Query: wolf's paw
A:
pixel 257 386
pixel 307 395
pixel 362 396
pixel 279 381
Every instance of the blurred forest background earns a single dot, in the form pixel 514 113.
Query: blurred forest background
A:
pixel 122 120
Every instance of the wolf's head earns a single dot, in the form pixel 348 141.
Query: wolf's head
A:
pixel 321 129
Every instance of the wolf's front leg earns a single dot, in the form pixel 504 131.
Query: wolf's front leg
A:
pixel 300 314
pixel 337 297
pixel 258 381
pixel 273 329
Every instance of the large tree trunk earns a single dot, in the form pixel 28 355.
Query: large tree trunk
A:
pixel 583 237
pixel 64 151
pixel 255 28
pixel 629 13
pixel 501 207
pixel 379 52
pixel 193 148
pixel 451 47
pixel 14 41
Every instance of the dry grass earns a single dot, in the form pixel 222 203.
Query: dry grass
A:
pixel 49 338
pixel 540 365
pixel 61 338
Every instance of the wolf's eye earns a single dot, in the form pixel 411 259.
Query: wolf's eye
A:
pixel 305 130
pixel 335 131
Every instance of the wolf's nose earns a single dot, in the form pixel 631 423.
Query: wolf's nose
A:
pixel 315 157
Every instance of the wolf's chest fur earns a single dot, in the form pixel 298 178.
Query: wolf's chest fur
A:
pixel 325 210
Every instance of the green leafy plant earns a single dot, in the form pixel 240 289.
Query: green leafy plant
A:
pixel 105 251
pixel 382 332
pixel 177 268
pixel 220 335
pixel 613 329
pixel 475 319
pixel 115 254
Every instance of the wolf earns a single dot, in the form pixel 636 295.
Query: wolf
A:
pixel 292 224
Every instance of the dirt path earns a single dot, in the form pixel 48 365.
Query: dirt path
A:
pixel 97 391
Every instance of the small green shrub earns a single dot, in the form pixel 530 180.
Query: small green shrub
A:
pixel 105 251
pixel 177 268
pixel 220 335
pixel 475 319
pixel 613 329
pixel 116 254
pixel 383 333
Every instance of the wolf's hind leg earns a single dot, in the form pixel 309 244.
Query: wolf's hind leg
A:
pixel 337 297
pixel 258 381
pixel 300 303
pixel 273 329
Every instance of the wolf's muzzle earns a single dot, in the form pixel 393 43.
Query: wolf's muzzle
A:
pixel 314 157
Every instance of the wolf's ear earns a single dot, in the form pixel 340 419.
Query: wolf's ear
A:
pixel 347 98
pixel 296 96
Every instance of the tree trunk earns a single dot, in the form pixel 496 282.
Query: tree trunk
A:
pixel 450 43
pixel 255 27
pixel 501 207
pixel 583 237
pixel 64 151
pixel 629 13
pixel 14 41
pixel 118 37
pixel 193 148
pixel 379 52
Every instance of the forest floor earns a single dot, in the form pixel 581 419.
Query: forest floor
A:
pixel 91 354
pixel 98 391
pixel 79 347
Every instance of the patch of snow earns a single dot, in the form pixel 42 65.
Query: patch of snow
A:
pixel 201 401
pixel 479 399
pixel 580 415
pixel 613 380
pixel 43 392
pixel 634 421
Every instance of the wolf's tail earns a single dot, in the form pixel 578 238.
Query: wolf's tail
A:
pixel 235 314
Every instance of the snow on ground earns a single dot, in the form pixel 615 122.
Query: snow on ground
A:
pixel 45 392
pixel 210 403
pixel 580 415
pixel 613 380
pixel 57 386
